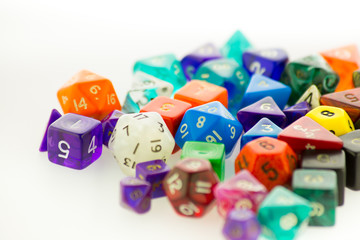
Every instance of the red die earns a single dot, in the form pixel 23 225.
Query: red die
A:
pixel 189 187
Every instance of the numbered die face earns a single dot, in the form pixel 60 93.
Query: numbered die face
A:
pixel 88 94
pixel 146 81
pixel 140 137
pixel 135 194
pixel 138 98
pixel 74 141
pixel 108 125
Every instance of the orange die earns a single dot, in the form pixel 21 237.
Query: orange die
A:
pixel 88 94
pixel 197 92
pixel 344 61
pixel 270 160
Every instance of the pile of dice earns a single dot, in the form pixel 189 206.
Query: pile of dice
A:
pixel 295 121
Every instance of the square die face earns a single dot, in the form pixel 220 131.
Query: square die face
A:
pixel 75 123
pixel 324 159
pixel 314 179
pixel 205 150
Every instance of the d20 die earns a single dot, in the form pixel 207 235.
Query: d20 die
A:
pixel 108 125
pixel 270 160
pixel 320 188
pixel 140 137
pixel 74 141
pixel 210 122
pixel 55 115
pixel 154 173
pixel 242 191
pixel 235 47
pixel 295 112
pixel 135 194
pixel 189 187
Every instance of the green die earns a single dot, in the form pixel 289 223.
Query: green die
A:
pixel 302 73
pixel 283 213
pixel 320 188
pixel 235 47
pixel 214 152
pixel 165 67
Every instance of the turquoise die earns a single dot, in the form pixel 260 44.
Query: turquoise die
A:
pixel 235 47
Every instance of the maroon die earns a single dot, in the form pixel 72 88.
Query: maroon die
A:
pixel 108 125
pixel 189 187
pixel 135 194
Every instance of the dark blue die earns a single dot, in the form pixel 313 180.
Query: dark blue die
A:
pixel 135 194
pixel 108 125
pixel 296 111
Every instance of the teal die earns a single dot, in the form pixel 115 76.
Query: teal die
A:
pixel 165 67
pixel 283 213
pixel 320 188
pixel 214 152
pixel 137 98
pixel 235 47
pixel 229 74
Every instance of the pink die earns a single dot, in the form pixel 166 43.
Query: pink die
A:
pixel 241 191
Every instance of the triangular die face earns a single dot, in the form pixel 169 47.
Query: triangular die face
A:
pixel 298 107
pixel 280 196
pixel 264 106
pixel 347 53
pixel 311 96
pixel 264 126
pixel 214 107
pixel 273 54
pixel 306 134
pixel 261 83
pixel 164 61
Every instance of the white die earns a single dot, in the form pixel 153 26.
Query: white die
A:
pixel 140 137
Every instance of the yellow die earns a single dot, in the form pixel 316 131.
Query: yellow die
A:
pixel 334 119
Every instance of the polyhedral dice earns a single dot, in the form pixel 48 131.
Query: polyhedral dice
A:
pixel 241 224
pixel 270 160
pixel 334 119
pixel 88 94
pixel 320 188
pixel 311 96
pixel 344 61
pixel 164 67
pixel 283 214
pixel 295 112
pixel 261 86
pixel 210 122
pixel 352 150
pixel 302 73
pixel 189 187
pixel 242 191
pixel 329 160
pixel 198 92
pixel 228 74
pixel 190 63
pixel 263 128
pixel 154 173
pixel 135 194
pixel 55 115
pixel 268 62
pixel 265 107
pixel 235 47
pixel 356 78
pixel 108 125
pixel 211 151
pixel 74 141
pixel 140 137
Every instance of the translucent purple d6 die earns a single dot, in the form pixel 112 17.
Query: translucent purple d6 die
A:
pixel 135 194
pixel 74 141
pixel 153 172
pixel 108 125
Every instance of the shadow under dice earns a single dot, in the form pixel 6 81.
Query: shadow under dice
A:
pixel 140 137
pixel 74 141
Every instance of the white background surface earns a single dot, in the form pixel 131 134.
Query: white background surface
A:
pixel 43 43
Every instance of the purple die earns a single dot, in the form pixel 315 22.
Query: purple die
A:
pixel 265 107
pixel 241 224
pixel 296 111
pixel 268 62
pixel 190 63
pixel 108 125
pixel 136 194
pixel 74 141
pixel 55 115
pixel 153 172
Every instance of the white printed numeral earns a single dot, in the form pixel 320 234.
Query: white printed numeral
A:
pixel 203 187
pixel 111 99
pixel 92 145
pixel 174 183
pixel 65 151
pixel 82 104
pixel 189 209
pixel 256 68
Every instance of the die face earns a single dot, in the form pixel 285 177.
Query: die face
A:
pixel 235 47
pixel 55 115
pixel 296 111
pixel 311 96
pixel 108 125
pixel 201 189
pixel 128 148
pixel 135 193
pixel 74 141
pixel 137 99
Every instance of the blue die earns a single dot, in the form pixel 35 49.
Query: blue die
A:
pixel 210 122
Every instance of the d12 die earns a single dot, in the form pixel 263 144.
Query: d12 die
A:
pixel 210 122
pixel 88 94
pixel 74 141
pixel 108 125
pixel 135 194
pixel 270 160
pixel 189 187
pixel 140 137
pixel 55 115
pixel 235 47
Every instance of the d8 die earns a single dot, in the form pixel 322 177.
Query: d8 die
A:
pixel 235 47
pixel 270 160
pixel 189 187
pixel 74 141
pixel 135 194
pixel 210 122
pixel 140 137
pixel 153 172
pixel 88 94
pixel 108 125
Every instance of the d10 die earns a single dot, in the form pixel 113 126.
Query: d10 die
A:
pixel 135 194
pixel 270 160
pixel 235 47
pixel 108 125
pixel 189 187
pixel 88 94
pixel 74 141
pixel 140 137
pixel 210 122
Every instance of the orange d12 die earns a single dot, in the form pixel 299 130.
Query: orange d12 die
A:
pixel 88 94
pixel 270 160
